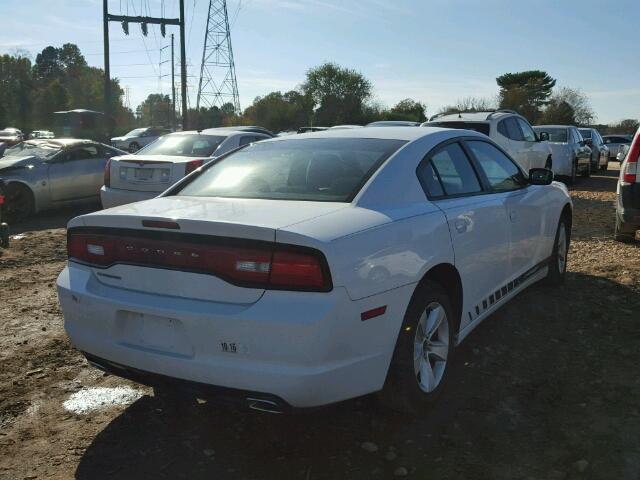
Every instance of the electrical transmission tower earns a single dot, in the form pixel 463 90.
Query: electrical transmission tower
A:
pixel 217 84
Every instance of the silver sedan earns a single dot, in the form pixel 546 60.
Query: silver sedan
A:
pixel 46 174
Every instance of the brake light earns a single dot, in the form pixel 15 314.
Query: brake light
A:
pixel 107 173
pixel 263 266
pixel 1 200
pixel 192 165
pixel 629 174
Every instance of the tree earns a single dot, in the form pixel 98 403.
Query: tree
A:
pixel 469 104
pixel 582 112
pixel 338 93
pixel 16 91
pixel 53 98
pixel 408 109
pixel 628 126
pixel 155 110
pixel 526 92
pixel 47 67
pixel 559 112
pixel 280 112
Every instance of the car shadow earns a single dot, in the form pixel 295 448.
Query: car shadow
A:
pixel 52 219
pixel 519 389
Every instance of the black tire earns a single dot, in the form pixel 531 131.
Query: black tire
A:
pixel 623 232
pixel 4 235
pixel 603 168
pixel 557 273
pixel 133 147
pixel 587 173
pixel 19 203
pixel 572 179
pixel 402 391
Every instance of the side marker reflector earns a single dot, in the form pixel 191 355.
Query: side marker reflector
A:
pixel 376 312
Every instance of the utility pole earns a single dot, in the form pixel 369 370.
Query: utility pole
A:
pixel 173 88
pixel 183 69
pixel 107 75
pixel 144 21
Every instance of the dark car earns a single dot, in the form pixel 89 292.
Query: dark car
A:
pixel 628 195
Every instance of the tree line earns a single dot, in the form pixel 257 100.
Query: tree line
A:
pixel 60 79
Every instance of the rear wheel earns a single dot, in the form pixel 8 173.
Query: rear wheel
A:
pixel 572 177
pixel 423 352
pixel 19 203
pixel 133 147
pixel 558 260
pixel 623 232
pixel 4 235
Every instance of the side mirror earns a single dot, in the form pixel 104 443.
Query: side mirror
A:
pixel 544 136
pixel 540 176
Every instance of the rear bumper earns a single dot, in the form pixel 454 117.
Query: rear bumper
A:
pixel 305 349
pixel 628 204
pixel 113 197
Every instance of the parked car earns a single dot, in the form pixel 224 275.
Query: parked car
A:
pixel 570 154
pixel 248 128
pixel 45 174
pixel 614 142
pixel 508 129
pixel 628 194
pixel 41 134
pixel 138 138
pixel 156 167
pixel 11 136
pixel 599 151
pixel 305 270
pixel 312 129
pixel 622 153
pixel 393 123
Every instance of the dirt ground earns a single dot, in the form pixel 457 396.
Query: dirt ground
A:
pixel 547 388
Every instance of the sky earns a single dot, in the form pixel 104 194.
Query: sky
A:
pixel 434 51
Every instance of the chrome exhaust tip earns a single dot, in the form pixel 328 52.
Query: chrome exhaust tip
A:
pixel 265 406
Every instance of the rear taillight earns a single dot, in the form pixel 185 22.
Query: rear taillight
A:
pixel 263 266
pixel 107 173
pixel 630 166
pixel 192 165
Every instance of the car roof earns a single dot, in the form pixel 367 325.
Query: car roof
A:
pixel 392 123
pixel 386 133
pixel 552 126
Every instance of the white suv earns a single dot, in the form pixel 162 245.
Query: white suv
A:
pixel 505 127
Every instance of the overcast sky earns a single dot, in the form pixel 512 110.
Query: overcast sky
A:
pixel 435 51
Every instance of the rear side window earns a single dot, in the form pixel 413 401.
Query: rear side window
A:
pixel 479 127
pixel 503 175
pixel 527 131
pixel 313 169
pixel 454 171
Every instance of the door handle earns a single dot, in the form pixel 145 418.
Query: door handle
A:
pixel 513 215
pixel 461 225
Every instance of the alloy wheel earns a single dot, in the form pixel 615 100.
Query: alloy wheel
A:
pixel 431 347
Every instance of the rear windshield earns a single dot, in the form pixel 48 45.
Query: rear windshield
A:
pixel 586 133
pixel 183 145
pixel 24 149
pixel 8 133
pixel 314 169
pixel 558 135
pixel 475 126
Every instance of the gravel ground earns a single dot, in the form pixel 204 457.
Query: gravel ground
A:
pixel 547 388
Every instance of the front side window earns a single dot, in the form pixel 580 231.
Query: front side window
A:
pixel 513 131
pixel 454 171
pixel 314 169
pixel 527 131
pixel 586 133
pixel 503 175
pixel 83 153
pixel 184 145
pixel 138 132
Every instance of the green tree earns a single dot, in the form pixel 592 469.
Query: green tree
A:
pixel 469 104
pixel 338 93
pixel 280 112
pixel 408 109
pixel 54 97
pixel 155 110
pixel 628 126
pixel 558 112
pixel 16 90
pixel 583 114
pixel 526 92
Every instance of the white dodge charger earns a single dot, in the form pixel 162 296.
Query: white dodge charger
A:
pixel 305 270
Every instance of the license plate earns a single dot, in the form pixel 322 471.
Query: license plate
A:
pixel 142 174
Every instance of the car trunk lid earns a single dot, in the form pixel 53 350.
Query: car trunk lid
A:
pixel 149 173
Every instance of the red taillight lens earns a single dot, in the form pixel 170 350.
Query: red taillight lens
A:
pixel 107 173
pixel 192 165
pixel 260 267
pixel 630 171
pixel 296 269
